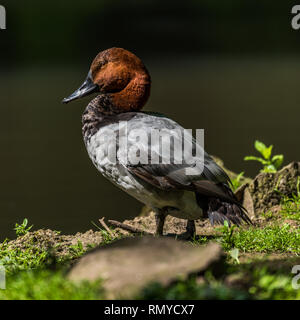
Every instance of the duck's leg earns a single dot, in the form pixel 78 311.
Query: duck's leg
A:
pixel 190 227
pixel 160 217
pixel 190 231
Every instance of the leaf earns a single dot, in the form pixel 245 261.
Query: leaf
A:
pixel 269 169
pixel 236 181
pixel 234 253
pixel 259 146
pixel 80 246
pixel 267 152
pixel 261 160
pixel 238 178
pixel 277 160
pixel 25 222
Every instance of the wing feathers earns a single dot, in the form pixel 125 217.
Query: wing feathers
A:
pixel 212 185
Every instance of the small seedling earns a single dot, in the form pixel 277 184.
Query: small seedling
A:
pixel 107 237
pixel 268 215
pixel 290 206
pixel 77 250
pixel 236 182
pixel 234 253
pixel 227 238
pixel 22 229
pixel 270 164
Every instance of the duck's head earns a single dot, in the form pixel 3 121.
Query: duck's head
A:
pixel 120 78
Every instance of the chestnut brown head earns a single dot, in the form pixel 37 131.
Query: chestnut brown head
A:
pixel 119 75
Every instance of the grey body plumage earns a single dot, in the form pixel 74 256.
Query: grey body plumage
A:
pixel 164 187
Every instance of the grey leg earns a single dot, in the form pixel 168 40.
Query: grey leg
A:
pixel 191 228
pixel 160 217
pixel 190 231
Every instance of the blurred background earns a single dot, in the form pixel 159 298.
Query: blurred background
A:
pixel 230 67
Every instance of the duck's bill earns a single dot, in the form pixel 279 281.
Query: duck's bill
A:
pixel 88 87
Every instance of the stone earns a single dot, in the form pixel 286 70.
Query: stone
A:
pixel 128 265
pixel 267 189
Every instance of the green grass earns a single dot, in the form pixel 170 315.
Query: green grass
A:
pixel 190 290
pixel 273 238
pixel 77 250
pixel 260 284
pixel 30 274
pixel 272 286
pixel 30 256
pixel 290 207
pixel 268 239
pixel 48 285
pixel 259 281
pixel 37 274
pixel 15 260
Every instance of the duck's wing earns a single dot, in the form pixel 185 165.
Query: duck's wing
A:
pixel 201 173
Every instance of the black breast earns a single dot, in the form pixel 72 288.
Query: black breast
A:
pixel 99 113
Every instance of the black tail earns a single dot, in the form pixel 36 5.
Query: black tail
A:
pixel 220 209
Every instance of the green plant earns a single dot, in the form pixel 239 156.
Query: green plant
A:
pixel 190 290
pixel 15 260
pixel 290 206
pixel 77 250
pixel 107 237
pixel 199 240
pixel 270 164
pixel 268 215
pixel 227 238
pixel 22 229
pixel 268 239
pixel 236 183
pixel 272 286
pixel 234 254
pixel 45 284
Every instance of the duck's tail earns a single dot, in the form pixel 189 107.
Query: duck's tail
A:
pixel 224 208
pixel 219 211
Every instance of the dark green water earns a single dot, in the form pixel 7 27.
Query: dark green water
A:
pixel 47 176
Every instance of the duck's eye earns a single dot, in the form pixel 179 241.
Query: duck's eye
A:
pixel 97 68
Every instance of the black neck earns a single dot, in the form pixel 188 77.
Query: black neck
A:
pixel 97 113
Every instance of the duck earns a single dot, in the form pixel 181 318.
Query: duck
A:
pixel 121 84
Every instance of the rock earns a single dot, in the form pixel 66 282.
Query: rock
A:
pixel 267 189
pixel 243 195
pixel 127 265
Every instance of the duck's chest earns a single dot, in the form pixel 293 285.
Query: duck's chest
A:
pixel 107 155
pixel 103 148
